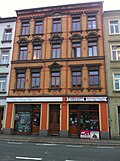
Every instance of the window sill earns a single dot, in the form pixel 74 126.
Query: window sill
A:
pixel 60 32
pixel 76 88
pixel 54 89
pixel 38 34
pixel 116 91
pixel 16 90
pixel 88 30
pixel 4 65
pixel 34 89
pixel 24 35
pixel 3 92
pixel 76 31
pixel 94 88
pixel 114 34
pixel 6 41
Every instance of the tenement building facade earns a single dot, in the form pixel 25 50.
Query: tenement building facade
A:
pixel 57 83
pixel 7 30
pixel 112 53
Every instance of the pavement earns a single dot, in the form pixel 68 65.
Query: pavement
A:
pixel 58 140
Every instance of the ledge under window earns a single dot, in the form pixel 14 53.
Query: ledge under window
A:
pixel 6 41
pixel 55 89
pixel 76 88
pixel 76 31
pixel 16 90
pixel 24 35
pixel 3 92
pixel 94 88
pixel 34 89
pixel 38 34
pixel 88 30
pixel 116 91
pixel 4 65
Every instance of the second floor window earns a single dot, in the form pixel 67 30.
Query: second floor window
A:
pixel 75 23
pixel 114 27
pixel 25 28
pixel 116 52
pixel 56 25
pixel 116 81
pixel 23 53
pixel 56 50
pixel 35 79
pixel 38 27
pixel 5 57
pixel 92 22
pixel 92 48
pixel 55 79
pixel 7 35
pixel 76 49
pixel 94 78
pixel 37 52
pixel 2 83
pixel 76 78
pixel 20 81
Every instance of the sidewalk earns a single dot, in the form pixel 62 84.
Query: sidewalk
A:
pixel 58 140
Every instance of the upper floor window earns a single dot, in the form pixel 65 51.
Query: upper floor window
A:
pixel 7 35
pixel 116 80
pixel 5 57
pixel 93 78
pixel 35 79
pixel 76 49
pixel 114 27
pixel 76 79
pixel 25 28
pixel 92 48
pixel 37 52
pixel 57 25
pixel 56 50
pixel 76 23
pixel 115 52
pixel 3 80
pixel 20 80
pixel 92 22
pixel 38 27
pixel 23 53
pixel 55 79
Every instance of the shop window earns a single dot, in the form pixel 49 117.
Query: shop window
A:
pixel 115 50
pixel 56 50
pixel 116 80
pixel 57 25
pixel 92 48
pixel 39 27
pixel 76 23
pixel 5 57
pixel 92 22
pixel 119 118
pixel 76 49
pixel 25 28
pixel 23 53
pixel 114 27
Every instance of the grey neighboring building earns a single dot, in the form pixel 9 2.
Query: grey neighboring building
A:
pixel 111 27
pixel 7 30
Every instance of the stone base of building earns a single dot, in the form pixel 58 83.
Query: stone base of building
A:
pixel 104 135
pixel 43 133
pixel 8 131
pixel 63 133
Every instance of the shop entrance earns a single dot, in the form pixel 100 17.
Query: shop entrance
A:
pixel 1 118
pixel 84 120
pixel 54 119
pixel 27 119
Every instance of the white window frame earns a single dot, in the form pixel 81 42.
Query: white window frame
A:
pixel 114 27
pixel 3 83
pixel 7 36
pixel 3 61
pixel 117 59
pixel 114 81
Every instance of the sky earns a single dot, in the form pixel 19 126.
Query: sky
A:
pixel 8 7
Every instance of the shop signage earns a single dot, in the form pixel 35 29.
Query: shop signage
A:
pixel 85 134
pixel 86 99
pixel 35 99
pixel 94 135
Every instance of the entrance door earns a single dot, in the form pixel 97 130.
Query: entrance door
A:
pixel 36 120
pixel 54 119
pixel 1 118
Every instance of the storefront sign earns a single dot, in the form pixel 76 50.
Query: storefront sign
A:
pixel 86 99
pixel 85 134
pixel 94 135
pixel 35 99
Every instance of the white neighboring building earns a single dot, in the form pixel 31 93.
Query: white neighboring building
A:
pixel 7 30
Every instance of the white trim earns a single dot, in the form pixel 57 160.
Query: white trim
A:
pixel 34 99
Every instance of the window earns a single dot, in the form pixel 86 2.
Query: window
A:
pixel 92 22
pixel 75 23
pixel 25 28
pixel 92 48
pixel 114 27
pixel 5 57
pixel 56 25
pixel 94 78
pixel 7 35
pixel 117 81
pixel 116 52
pixel 76 49
pixel 55 79
pixel 2 83
pixel 56 50
pixel 76 78
pixel 23 53
pixel 35 79
pixel 37 52
pixel 20 80
pixel 38 27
